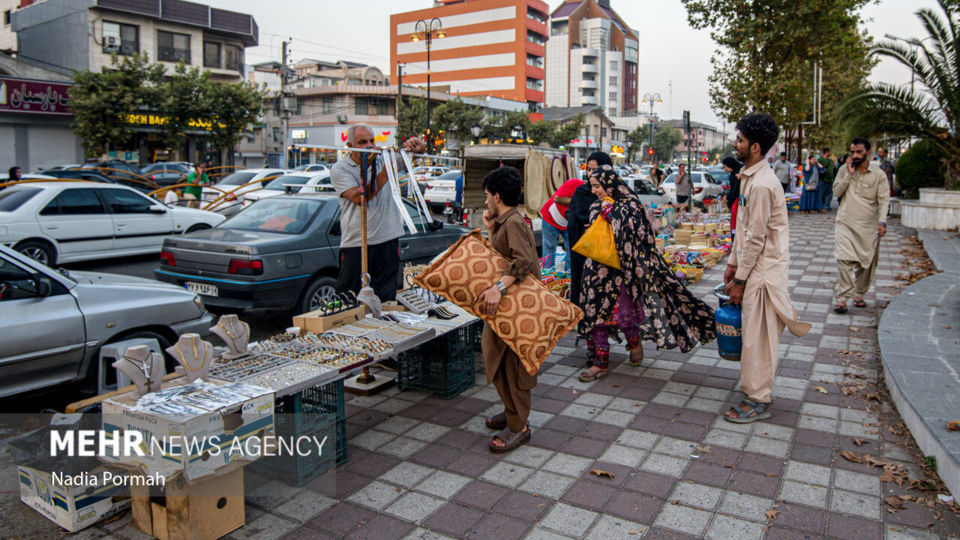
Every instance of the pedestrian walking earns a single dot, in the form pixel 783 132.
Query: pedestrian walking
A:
pixel 756 275
pixel 194 192
pixel 555 222
pixel 655 176
pixel 810 200
pixel 578 216
pixel 887 167
pixel 733 167
pixel 684 189
pixel 643 299
pixel 860 224
pixel 511 237
pixel 825 187
pixel 784 170
pixel 384 221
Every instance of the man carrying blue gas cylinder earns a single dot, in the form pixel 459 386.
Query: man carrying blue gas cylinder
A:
pixel 756 275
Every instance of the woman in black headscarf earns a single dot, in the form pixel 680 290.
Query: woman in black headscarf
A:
pixel 643 299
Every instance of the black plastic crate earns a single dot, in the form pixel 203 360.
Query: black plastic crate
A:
pixel 444 366
pixel 317 411
pixel 477 334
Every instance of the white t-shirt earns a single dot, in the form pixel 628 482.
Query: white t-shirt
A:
pixel 384 221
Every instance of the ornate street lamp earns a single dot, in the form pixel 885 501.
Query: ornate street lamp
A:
pixel 652 99
pixel 427 31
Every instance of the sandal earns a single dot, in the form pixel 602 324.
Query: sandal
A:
pixel 858 302
pixel 635 361
pixel 497 421
pixel 748 412
pixel 510 440
pixel 593 374
pixel 840 308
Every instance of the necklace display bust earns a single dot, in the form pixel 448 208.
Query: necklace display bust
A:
pixel 144 368
pixel 234 333
pixel 194 355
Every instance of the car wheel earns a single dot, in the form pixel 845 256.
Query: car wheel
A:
pixel 41 252
pixel 197 227
pixel 317 289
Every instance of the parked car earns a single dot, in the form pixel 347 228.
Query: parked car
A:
pixel 168 173
pixel 58 222
pixel 313 167
pixel 304 182
pixel 443 189
pixel 53 323
pixel 646 191
pixel 235 187
pixel 96 176
pixel 426 173
pixel 282 252
pixel 705 186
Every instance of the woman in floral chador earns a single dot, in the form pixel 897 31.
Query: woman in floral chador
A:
pixel 644 299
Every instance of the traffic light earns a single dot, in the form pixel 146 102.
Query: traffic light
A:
pixel 650 151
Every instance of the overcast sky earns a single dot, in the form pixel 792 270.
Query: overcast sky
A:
pixel 670 51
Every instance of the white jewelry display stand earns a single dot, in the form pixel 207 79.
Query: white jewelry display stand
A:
pixel 144 368
pixel 234 333
pixel 194 355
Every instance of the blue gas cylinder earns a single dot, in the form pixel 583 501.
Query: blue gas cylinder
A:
pixel 729 335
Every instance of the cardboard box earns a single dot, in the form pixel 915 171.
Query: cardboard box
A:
pixel 72 507
pixel 182 510
pixel 317 323
pixel 217 438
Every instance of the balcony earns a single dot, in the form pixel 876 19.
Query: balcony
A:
pixel 231 23
pixel 588 84
pixel 589 68
pixel 590 52
pixel 588 100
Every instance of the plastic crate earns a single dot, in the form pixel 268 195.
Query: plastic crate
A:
pixel 477 329
pixel 444 366
pixel 317 411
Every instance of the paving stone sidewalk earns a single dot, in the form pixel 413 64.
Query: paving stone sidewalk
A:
pixel 419 465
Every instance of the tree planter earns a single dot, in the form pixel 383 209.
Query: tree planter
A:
pixel 937 209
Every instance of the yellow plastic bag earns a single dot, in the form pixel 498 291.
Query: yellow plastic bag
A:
pixel 597 243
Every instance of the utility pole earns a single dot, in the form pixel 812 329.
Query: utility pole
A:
pixel 686 123
pixel 284 116
pixel 399 97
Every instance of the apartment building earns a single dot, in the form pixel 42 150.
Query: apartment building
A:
pixel 489 48
pixel 702 138
pixel 592 58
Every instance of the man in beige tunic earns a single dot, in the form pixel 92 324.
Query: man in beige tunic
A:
pixel 861 222
pixel 756 275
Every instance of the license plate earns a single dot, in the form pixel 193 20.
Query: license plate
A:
pixel 202 288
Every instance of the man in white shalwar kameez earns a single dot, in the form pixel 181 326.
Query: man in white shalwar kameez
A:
pixel 756 275
pixel 861 222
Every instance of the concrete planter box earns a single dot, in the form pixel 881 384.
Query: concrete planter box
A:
pixel 937 209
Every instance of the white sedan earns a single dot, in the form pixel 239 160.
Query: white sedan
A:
pixel 59 222
pixel 705 186
pixel 302 182
pixel 234 187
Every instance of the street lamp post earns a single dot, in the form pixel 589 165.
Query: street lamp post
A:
pixel 428 30
pixel 652 99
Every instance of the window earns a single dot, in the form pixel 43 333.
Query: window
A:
pixel 11 199
pixel 72 202
pixel 233 58
pixel 173 47
pixel 382 108
pixel 603 132
pixel 277 137
pixel 122 201
pixel 534 84
pixel 360 106
pixel 15 282
pixel 327 104
pixel 6 17
pixel 121 39
pixel 613 96
pixel 614 65
pixel 211 54
pixel 613 80
pixel 612 111
pixel 534 60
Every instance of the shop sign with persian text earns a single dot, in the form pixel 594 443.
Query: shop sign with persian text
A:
pixel 34 97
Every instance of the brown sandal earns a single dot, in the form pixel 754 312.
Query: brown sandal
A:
pixel 510 440
pixel 497 421
pixel 859 303
pixel 590 375
pixel 635 361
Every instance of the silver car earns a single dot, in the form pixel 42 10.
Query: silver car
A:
pixel 53 323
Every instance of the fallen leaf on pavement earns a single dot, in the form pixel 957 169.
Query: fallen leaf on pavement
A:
pixel 858 442
pixel 894 501
pixel 875 462
pixel 821 389
pixel 851 456
pixel 635 531
pixel 703 449
pixel 953 425
pixel 601 472
pixel 771 514
pixel 872 395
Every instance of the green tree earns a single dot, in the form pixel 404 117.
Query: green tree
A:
pixel 665 142
pixel 185 98
pixel 567 132
pixel 636 139
pixel 100 102
pixel 456 119
pixel 412 117
pixel 931 110
pixel 235 106
pixel 766 54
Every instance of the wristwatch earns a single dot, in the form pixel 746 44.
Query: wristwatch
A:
pixel 740 282
pixel 883 224
pixel 500 287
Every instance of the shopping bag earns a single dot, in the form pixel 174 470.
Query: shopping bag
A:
pixel 597 243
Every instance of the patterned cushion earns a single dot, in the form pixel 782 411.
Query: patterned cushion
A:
pixel 530 319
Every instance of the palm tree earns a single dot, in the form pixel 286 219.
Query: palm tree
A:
pixel 930 109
